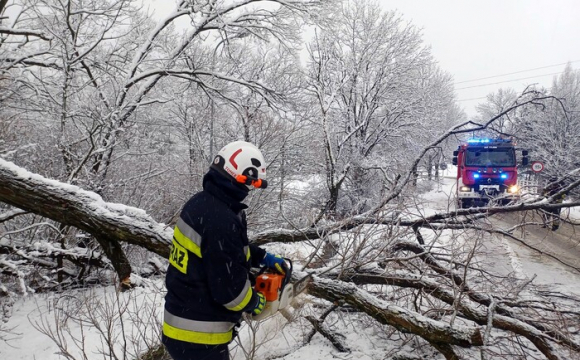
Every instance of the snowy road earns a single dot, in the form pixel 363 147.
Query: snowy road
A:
pixel 563 243
pixel 558 260
pixel 558 263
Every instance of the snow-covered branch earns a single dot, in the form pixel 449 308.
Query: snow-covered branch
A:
pixel 11 214
pixel 25 32
pixel 454 219
pixel 404 320
pixel 82 209
pixel 507 318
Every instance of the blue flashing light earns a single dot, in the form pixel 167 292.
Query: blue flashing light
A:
pixel 478 141
pixel 504 176
pixel 488 141
pixel 476 176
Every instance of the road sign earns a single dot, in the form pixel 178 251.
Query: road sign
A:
pixel 537 166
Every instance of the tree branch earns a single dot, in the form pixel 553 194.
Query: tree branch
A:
pixel 433 331
pixel 82 209
pixel 25 32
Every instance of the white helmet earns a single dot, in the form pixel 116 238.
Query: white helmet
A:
pixel 244 162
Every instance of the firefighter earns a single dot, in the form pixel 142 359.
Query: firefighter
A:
pixel 552 216
pixel 208 281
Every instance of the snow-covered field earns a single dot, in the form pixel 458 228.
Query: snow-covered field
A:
pixel 87 320
pixel 83 322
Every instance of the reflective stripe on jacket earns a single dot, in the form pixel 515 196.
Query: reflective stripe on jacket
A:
pixel 200 332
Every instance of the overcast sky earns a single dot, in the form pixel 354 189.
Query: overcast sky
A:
pixel 528 41
pixel 485 39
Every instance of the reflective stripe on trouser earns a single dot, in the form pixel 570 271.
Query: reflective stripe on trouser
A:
pixel 242 299
pixel 199 332
pixel 187 237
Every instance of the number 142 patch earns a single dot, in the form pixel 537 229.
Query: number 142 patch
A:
pixel 178 257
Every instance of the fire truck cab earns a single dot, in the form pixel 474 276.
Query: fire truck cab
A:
pixel 487 170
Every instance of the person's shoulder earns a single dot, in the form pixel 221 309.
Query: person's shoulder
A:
pixel 200 197
pixel 200 203
pixel 207 203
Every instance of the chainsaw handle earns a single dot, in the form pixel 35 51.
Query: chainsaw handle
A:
pixel 261 271
pixel 288 275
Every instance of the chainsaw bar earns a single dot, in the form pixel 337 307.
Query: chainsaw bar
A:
pixel 302 284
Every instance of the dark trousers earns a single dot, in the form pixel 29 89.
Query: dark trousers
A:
pixel 180 350
pixel 552 218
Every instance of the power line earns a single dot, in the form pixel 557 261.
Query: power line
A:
pixel 501 82
pixel 479 98
pixel 516 72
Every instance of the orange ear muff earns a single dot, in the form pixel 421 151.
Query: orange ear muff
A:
pixel 258 184
pixel 243 179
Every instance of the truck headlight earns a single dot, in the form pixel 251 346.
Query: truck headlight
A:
pixel 513 189
pixel 465 189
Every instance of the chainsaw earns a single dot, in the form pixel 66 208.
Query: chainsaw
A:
pixel 278 289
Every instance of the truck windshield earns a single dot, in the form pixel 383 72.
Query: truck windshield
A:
pixel 490 157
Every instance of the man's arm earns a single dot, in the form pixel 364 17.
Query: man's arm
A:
pixel 223 260
pixel 257 255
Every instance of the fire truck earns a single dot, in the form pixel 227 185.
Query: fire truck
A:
pixel 487 170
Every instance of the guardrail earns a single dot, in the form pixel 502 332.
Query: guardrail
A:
pixel 529 183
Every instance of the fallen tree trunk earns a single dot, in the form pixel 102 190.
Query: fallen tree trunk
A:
pixel 435 332
pixel 536 333
pixel 85 210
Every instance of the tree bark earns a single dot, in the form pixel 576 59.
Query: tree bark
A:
pixel 70 205
pixel 404 320
pixel 328 334
pixel 538 334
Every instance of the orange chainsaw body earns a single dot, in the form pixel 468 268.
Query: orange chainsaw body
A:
pixel 277 289
pixel 269 284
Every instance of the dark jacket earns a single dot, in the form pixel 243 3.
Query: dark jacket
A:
pixel 208 281
pixel 553 189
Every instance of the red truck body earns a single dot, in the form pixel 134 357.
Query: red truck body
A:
pixel 486 170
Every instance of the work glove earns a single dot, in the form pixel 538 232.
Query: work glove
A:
pixel 258 304
pixel 275 262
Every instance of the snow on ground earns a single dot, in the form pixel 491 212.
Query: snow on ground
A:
pixel 79 319
pixel 437 195
pixel 140 312
pixel 573 213
pixel 280 339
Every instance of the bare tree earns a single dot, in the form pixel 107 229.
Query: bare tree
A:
pixel 373 82
pixel 496 103
pixel 103 64
pixel 551 133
